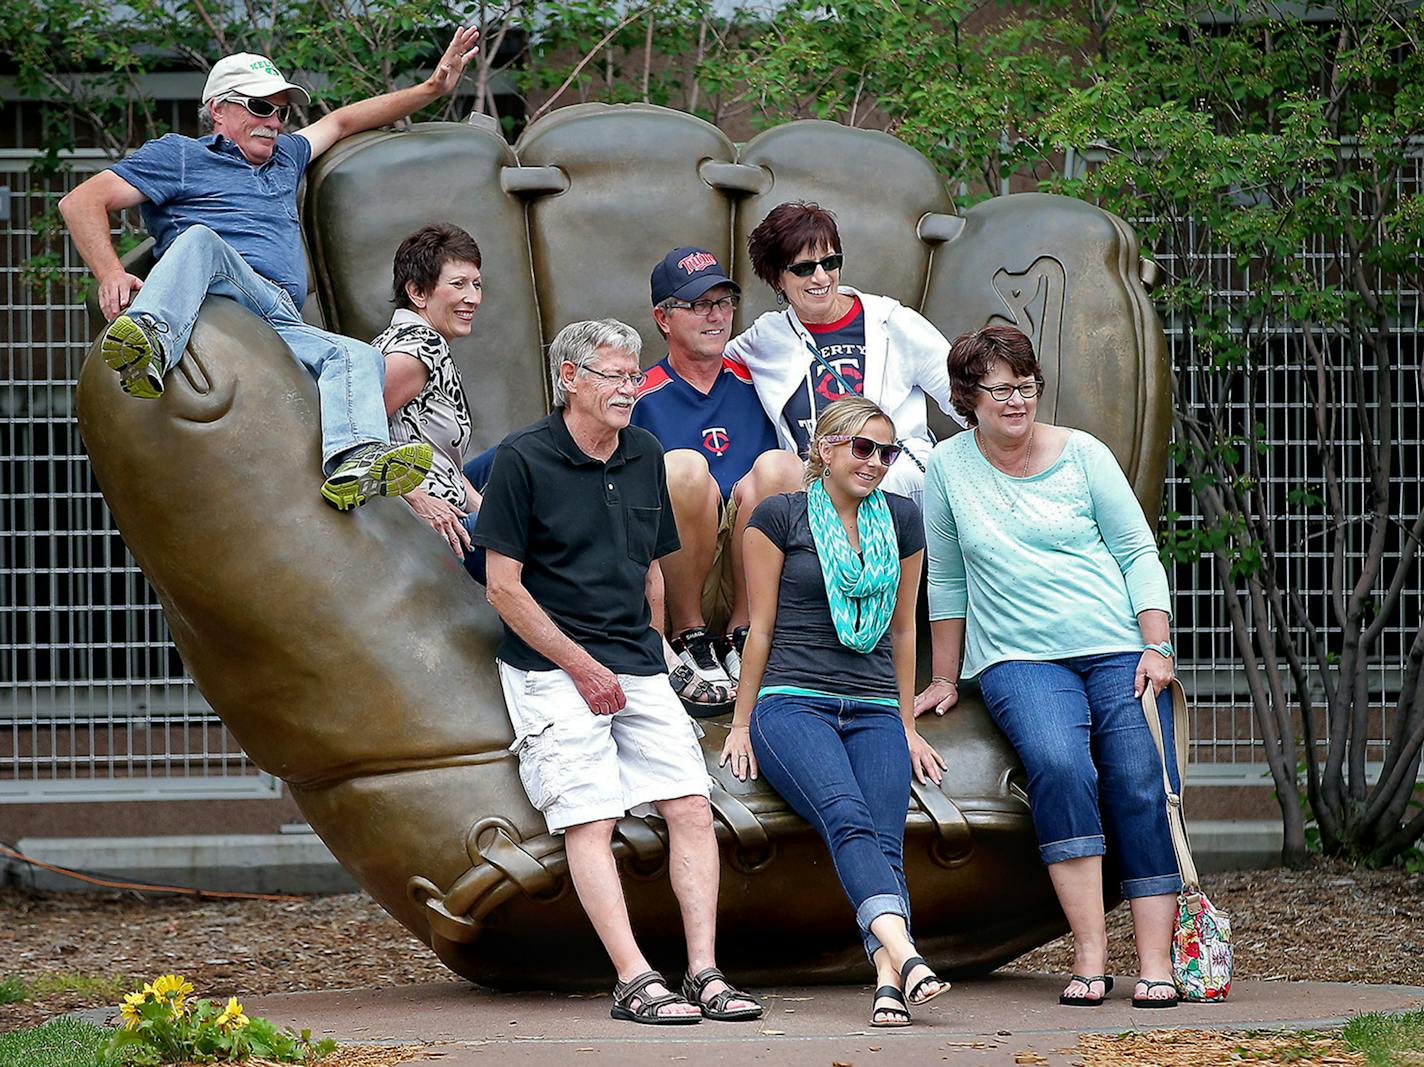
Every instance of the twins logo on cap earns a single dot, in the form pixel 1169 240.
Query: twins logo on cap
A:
pixel 697 261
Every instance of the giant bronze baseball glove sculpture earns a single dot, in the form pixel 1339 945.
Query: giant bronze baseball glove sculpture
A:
pixel 353 658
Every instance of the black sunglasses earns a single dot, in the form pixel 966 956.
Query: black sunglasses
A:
pixel 863 448
pixel 259 107
pixel 804 268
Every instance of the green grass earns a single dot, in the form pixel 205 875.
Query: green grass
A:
pixel 61 1042
pixel 107 988
pixel 1387 1039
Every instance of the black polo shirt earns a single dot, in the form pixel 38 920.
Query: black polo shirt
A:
pixel 586 532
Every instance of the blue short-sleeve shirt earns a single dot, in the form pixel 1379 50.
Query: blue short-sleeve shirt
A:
pixel 207 181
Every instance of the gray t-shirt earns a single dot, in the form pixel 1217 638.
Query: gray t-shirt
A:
pixel 805 651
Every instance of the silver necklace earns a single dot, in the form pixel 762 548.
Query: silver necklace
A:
pixel 1010 502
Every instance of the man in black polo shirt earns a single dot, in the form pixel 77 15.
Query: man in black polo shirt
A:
pixel 574 520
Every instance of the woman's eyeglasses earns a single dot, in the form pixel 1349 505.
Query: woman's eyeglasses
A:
pixel 804 268
pixel 260 108
pixel 862 448
pixel 1001 393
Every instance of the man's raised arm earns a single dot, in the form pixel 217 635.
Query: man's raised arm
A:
pixel 381 110
pixel 86 209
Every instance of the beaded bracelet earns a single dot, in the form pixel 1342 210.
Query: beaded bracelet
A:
pixel 944 681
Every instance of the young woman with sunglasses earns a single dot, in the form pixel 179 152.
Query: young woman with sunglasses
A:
pixel 825 706
pixel 1044 582
pixel 829 340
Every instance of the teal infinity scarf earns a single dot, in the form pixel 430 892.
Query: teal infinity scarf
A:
pixel 861 588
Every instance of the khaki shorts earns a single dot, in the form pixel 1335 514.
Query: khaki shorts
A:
pixel 717 590
pixel 578 767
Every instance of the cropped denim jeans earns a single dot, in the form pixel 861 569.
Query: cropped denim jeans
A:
pixel 1091 762
pixel 350 375
pixel 844 766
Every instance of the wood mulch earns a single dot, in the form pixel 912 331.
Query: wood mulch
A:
pixel 1328 922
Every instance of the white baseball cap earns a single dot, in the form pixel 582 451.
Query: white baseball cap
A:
pixel 248 74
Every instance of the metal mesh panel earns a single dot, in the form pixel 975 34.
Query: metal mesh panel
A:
pixel 1226 745
pixel 94 701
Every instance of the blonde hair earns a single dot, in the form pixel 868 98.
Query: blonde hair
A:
pixel 845 416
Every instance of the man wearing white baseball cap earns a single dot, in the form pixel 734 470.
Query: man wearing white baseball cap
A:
pixel 222 209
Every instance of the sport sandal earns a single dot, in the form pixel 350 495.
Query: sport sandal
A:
pixel 636 988
pixel 698 691
pixel 1150 1001
pixel 1087 980
pixel 715 1006
pixel 898 1012
pixel 915 996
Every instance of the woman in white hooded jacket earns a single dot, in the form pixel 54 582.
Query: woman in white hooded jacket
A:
pixel 832 340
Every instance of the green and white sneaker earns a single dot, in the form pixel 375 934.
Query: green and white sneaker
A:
pixel 132 346
pixel 376 470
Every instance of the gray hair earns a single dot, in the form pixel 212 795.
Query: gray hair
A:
pixel 578 343
pixel 205 119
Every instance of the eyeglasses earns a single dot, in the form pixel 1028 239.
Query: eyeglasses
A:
pixel 635 379
pixel 804 268
pixel 863 448
pixel 1001 393
pixel 260 108
pixel 704 308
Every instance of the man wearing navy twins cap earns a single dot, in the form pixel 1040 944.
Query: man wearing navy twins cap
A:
pixel 722 460
pixel 222 210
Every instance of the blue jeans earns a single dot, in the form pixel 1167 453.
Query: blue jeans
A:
pixel 350 375
pixel 844 767
pixel 475 555
pixel 477 471
pixel 1090 761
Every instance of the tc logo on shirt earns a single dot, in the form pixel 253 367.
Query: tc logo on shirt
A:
pixel 715 439
pixel 849 369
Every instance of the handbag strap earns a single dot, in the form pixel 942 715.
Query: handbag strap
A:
pixel 1175 818
pixel 849 391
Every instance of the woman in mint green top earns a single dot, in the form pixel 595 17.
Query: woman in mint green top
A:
pixel 1044 583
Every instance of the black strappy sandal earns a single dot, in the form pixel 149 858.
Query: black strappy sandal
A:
pixel 898 1016
pixel 715 1007
pixel 915 997
pixel 1155 1002
pixel 624 993
pixel 1087 980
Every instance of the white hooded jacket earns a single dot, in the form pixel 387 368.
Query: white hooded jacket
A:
pixel 905 362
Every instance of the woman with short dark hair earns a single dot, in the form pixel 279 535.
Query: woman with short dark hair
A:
pixel 1045 584
pixel 830 340
pixel 437 288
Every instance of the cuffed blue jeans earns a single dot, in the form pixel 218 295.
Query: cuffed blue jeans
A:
pixel 1091 762
pixel 350 375
pixel 844 766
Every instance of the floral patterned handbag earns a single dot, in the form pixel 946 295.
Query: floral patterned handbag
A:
pixel 1201 941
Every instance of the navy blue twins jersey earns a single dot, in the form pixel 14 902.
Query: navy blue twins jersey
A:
pixel 727 426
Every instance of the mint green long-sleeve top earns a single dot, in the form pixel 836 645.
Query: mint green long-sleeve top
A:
pixel 1054 565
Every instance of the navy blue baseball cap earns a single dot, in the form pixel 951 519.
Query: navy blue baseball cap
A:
pixel 687 273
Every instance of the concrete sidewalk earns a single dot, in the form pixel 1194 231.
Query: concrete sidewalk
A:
pixel 1001 1019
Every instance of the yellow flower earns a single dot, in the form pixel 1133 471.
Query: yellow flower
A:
pixel 175 989
pixel 232 1017
pixel 172 983
pixel 129 1010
